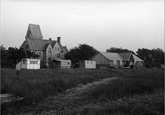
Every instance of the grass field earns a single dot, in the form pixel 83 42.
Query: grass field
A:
pixel 133 92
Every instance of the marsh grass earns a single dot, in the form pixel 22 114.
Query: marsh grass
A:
pixel 36 85
pixel 143 87
pixel 136 93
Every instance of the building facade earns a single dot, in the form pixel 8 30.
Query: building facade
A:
pixel 47 49
pixel 117 60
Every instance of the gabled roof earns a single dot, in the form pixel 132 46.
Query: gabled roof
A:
pixel 119 56
pixel 136 58
pixel 125 56
pixel 34 32
pixel 111 56
pixel 65 49
pixel 40 44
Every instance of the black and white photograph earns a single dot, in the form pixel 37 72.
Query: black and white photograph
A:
pixel 82 57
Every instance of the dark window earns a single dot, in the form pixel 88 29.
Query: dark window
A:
pixel 49 58
pixel 24 61
pixel 26 47
pixel 33 62
pixel 58 55
pixel 49 50
pixel 68 63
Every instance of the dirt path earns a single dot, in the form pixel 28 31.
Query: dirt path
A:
pixel 70 101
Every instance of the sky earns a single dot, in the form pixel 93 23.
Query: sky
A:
pixel 127 24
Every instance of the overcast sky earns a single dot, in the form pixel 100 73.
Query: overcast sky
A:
pixel 129 24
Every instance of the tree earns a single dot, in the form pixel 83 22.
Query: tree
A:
pixel 152 58
pixel 10 57
pixel 82 52
pixel 118 50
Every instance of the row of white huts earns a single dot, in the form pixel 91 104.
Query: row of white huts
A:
pixel 100 60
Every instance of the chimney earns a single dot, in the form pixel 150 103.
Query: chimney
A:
pixel 59 40
pixel 50 38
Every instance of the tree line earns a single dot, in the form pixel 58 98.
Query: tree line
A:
pixel 11 56
pixel 152 57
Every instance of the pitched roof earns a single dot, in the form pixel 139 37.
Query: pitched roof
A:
pixel 111 56
pixel 136 58
pixel 34 32
pixel 40 44
pixel 126 55
pixel 65 49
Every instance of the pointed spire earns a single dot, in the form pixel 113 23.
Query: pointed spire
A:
pixel 34 32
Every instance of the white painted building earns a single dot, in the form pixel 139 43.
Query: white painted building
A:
pixel 87 64
pixel 28 63
pixel 65 64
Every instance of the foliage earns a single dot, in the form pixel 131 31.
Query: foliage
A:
pixel 152 58
pixel 36 85
pixel 11 56
pixel 82 52
pixel 118 50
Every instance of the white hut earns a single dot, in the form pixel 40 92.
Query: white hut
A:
pixel 87 64
pixel 65 64
pixel 28 63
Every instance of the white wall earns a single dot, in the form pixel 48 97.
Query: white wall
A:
pixel 65 63
pixel 90 64
pixel 28 64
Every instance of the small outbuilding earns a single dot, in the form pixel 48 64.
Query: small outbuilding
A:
pixel 87 64
pixel 28 63
pixel 65 63
pixel 60 63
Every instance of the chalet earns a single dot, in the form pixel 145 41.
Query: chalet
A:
pixel 47 49
pixel 117 60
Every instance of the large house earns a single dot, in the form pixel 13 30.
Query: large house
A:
pixel 47 49
pixel 117 60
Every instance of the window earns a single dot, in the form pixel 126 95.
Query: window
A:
pixel 49 59
pixel 26 47
pixel 57 48
pixel 49 50
pixel 58 55
pixel 24 62
pixel 68 63
pixel 33 62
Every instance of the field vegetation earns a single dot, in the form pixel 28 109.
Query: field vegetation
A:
pixel 81 91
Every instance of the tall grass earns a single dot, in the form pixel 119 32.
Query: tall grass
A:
pixel 36 85
pixel 136 93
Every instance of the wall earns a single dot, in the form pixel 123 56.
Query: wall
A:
pixel 100 59
pixel 87 64
pixel 90 64
pixel 48 55
pixel 25 43
pixel 65 64
pixel 57 51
